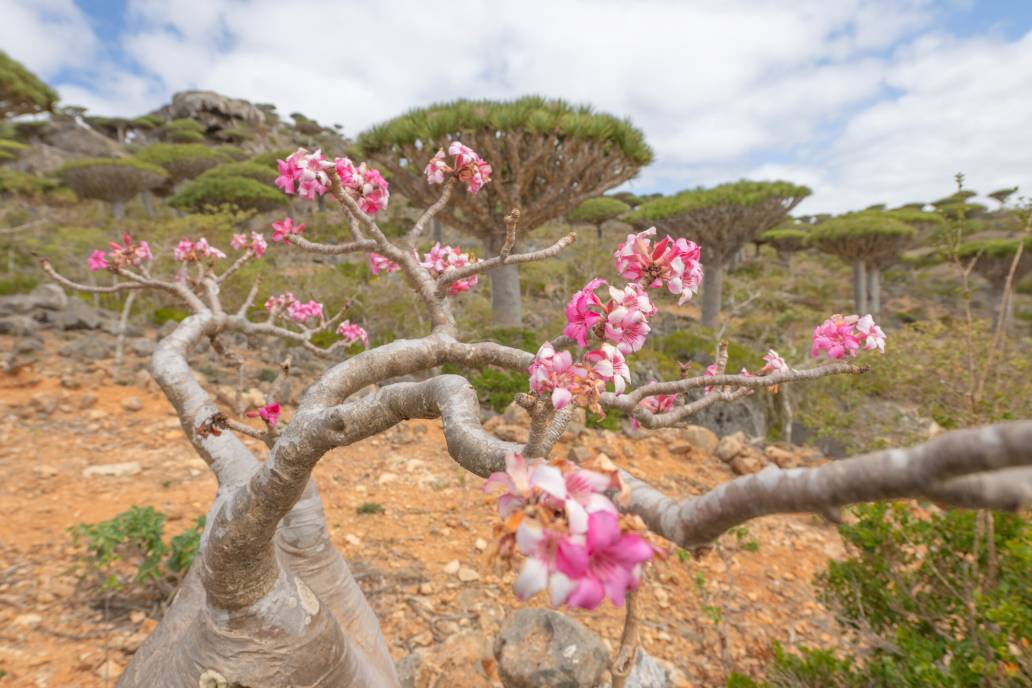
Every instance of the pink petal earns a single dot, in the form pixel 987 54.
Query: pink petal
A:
pixel 603 530
pixel 571 558
pixel 588 594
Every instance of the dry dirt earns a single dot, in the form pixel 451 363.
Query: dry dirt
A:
pixel 53 634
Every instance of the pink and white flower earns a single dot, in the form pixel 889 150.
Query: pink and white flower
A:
pixel 351 333
pixel 773 363
pixel 842 336
pixel 437 170
pixel 871 334
pixel 583 312
pixel 284 228
pixel 468 167
pixel 97 261
pixel 378 264
pixel 673 262
pixel 256 243
pixel 607 564
pixel 609 363
pixel 363 183
pixel 275 304
pixel 187 251
pixel 269 413
pixel 627 329
pixel 441 259
pixel 301 312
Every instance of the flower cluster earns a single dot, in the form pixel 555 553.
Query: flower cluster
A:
pixel 365 184
pixel 658 403
pixel 575 542
pixel 554 373
pixel 121 254
pixel 296 310
pixel 622 321
pixel 378 264
pixel 351 333
pixel 269 413
pixel 284 228
pixel 307 171
pixel 842 336
pixel 441 259
pixel 256 244
pixel 673 262
pixel 468 167
pixel 187 251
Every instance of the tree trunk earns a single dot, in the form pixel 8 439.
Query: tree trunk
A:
pixel 148 203
pixel 1004 311
pixel 436 230
pixel 505 291
pixel 712 286
pixel 859 287
pixel 118 210
pixel 874 291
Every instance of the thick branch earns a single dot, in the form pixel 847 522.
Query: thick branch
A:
pixel 967 468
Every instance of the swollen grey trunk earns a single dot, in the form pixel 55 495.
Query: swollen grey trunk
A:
pixel 859 287
pixel 873 291
pixel 505 290
pixel 118 210
pixel 148 203
pixel 712 286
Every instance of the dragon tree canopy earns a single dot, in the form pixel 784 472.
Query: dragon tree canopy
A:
pixel 21 91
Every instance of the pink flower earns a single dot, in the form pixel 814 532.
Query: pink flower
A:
pixel 143 253
pixel 469 167
pixel 300 312
pixel 607 564
pixel 774 363
pixel 288 172
pixel 96 261
pixel 656 404
pixel 258 244
pixel 278 303
pixel 284 228
pixel 633 297
pixel 609 363
pixel 872 335
pixel 238 242
pixel 352 333
pixel 549 372
pixel 123 254
pixel 269 413
pixel 583 311
pixel 196 251
pixel 437 169
pixel 441 259
pixel 674 262
pixel 183 250
pixel 307 171
pixel 515 481
pixel 378 264
pixel 363 183
pixel 626 329
pixel 836 336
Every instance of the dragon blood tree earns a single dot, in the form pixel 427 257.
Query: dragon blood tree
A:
pixel 786 239
pixel 1003 263
pixel 868 241
pixel 547 157
pixel 270 602
pixel 596 211
pixel 21 91
pixel 722 220
pixel 115 180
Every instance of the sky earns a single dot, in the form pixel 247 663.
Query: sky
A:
pixel 865 101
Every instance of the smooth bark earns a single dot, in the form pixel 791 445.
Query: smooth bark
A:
pixel 873 291
pixel 712 288
pixel 505 295
pixel 860 287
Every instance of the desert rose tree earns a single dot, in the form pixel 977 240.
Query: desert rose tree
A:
pixel 722 219
pixel 546 158
pixel 270 602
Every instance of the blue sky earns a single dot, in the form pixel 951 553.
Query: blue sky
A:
pixel 866 101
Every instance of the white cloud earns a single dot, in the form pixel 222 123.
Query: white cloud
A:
pixel 864 100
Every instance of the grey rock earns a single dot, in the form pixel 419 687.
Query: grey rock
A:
pixel 88 349
pixel 18 326
pixel 701 438
pixel 75 316
pixel 213 109
pixel 541 648
pixel 113 470
pixel 730 446
pixel 142 347
pixel 647 673
pixel 132 404
pixel 44 297
pixel 742 415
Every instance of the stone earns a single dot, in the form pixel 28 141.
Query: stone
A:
pixel 511 433
pixel 463 660
pixel 452 567
pixel 87 400
pixel 28 620
pixel 113 470
pixel 515 414
pixel 746 464
pixel 782 458
pixel 468 575
pixel 132 404
pixel 18 326
pixel 541 648
pixel 88 349
pixel 353 539
pixel 77 315
pixel 109 670
pixel 701 438
pixel 44 403
pixel 142 346
pixel 46 471
pixel 741 415
pixel 48 297
pixel 730 446
pixel 578 453
pixel 213 110
pixel 647 673
pixel 387 478
pixel 480 544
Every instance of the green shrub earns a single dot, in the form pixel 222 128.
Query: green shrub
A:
pixel 128 550
pixel 598 210
pixel 943 599
pixel 166 313
pixel 19 284
pixel 204 193
pixel 182 160
pixel 248 169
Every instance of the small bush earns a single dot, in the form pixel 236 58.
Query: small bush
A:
pixel 164 314
pixel 19 284
pixel 205 193
pixel 370 508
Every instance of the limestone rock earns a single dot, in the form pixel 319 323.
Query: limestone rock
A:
pixel 782 458
pixel 541 648
pixel 132 404
pixel 701 438
pixel 730 446
pixel 213 109
pixel 113 470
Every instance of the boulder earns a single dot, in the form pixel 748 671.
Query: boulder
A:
pixel 701 438
pixel 88 349
pixel 77 315
pixel 730 446
pixel 213 109
pixel 44 297
pixel 742 415
pixel 647 673
pixel 541 648
pixel 782 458
pixel 747 463
pixel 18 326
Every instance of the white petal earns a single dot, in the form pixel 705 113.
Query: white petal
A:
pixel 576 516
pixel 533 578
pixel 549 479
pixel 559 587
pixel 528 537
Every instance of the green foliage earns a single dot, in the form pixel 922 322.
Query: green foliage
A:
pixel 269 158
pixel 19 284
pixel 148 122
pixel 995 248
pixel 743 193
pixel 162 315
pixel 182 160
pixel 946 595
pixel 111 179
pixel 183 130
pixel 248 169
pixel 21 91
pixel 198 195
pixel 25 185
pixel 370 508
pixel 10 149
pixel 533 114
pixel 497 388
pixel 128 550
pixel 598 210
